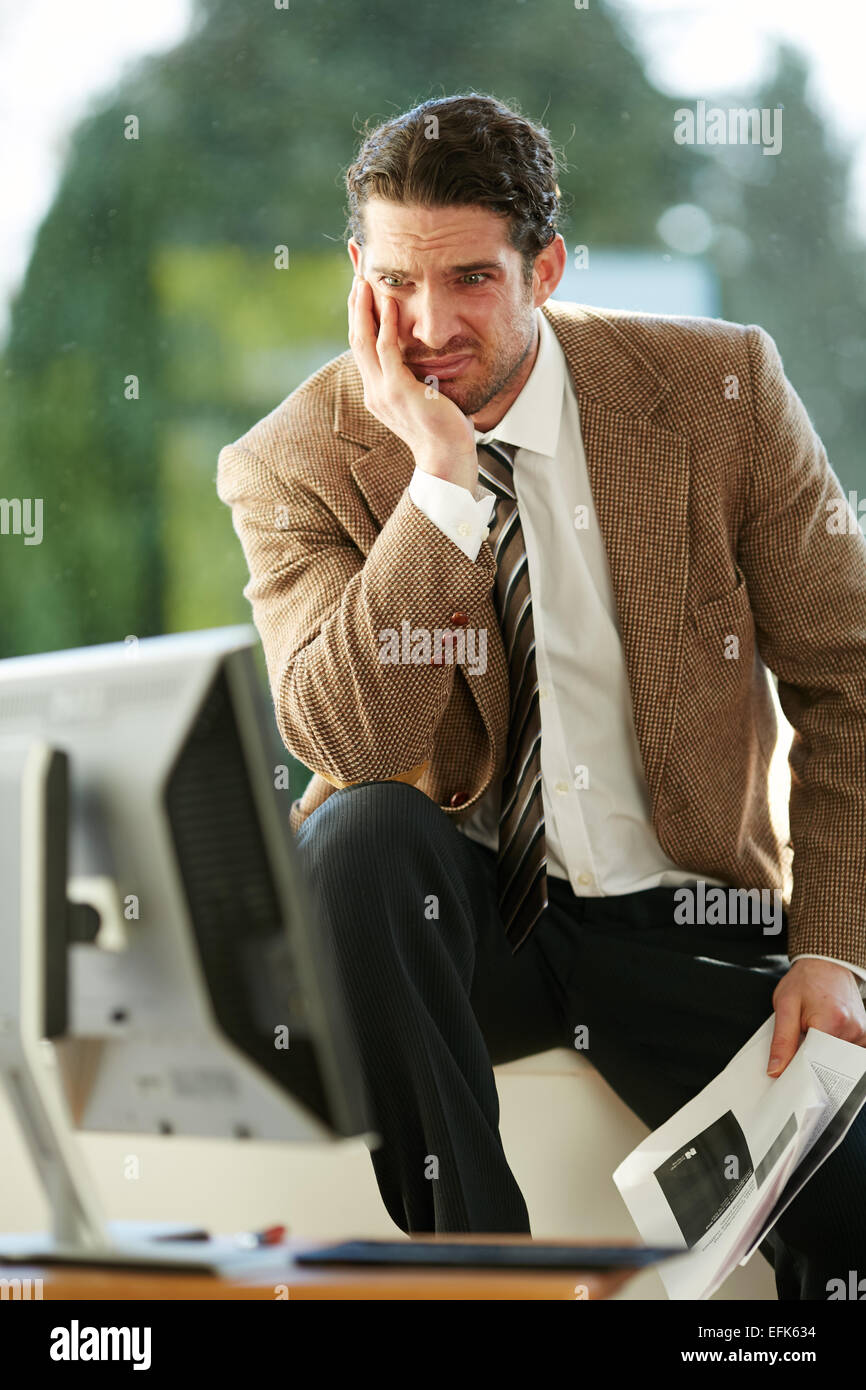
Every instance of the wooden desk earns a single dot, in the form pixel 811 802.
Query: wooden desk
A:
pixel 307 1282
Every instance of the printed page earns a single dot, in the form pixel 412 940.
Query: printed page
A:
pixel 718 1174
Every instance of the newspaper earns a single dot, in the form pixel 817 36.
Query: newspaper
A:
pixel 719 1173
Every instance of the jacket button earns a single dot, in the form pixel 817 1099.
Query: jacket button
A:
pixel 459 619
pixel 458 798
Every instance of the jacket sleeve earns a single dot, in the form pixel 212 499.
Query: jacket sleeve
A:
pixel 804 560
pixel 325 615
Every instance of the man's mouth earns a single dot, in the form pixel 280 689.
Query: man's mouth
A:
pixel 444 368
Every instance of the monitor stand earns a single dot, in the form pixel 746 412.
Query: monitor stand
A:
pixel 34 923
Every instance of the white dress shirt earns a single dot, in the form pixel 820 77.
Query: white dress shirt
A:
pixel 597 815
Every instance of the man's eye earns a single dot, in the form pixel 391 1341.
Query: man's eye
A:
pixel 475 275
pixel 395 281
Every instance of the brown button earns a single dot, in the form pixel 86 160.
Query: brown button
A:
pixel 458 798
pixel 459 619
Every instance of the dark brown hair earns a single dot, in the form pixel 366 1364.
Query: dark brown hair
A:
pixel 471 150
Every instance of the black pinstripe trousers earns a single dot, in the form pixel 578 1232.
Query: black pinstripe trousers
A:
pixel 436 998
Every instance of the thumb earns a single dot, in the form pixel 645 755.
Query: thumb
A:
pixel 786 1035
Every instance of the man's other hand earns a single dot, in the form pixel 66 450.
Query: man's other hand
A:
pixel 815 994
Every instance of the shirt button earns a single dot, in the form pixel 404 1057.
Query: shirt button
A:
pixel 562 788
pixel 458 798
pixel 584 880
pixel 464 529
pixel 544 692
pixel 485 533
pixel 459 619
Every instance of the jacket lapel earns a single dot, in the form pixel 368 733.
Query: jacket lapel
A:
pixel 639 479
pixel 639 476
pixel 383 473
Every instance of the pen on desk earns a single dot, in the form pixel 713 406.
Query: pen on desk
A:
pixel 271 1235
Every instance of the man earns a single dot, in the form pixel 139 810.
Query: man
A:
pixel 517 567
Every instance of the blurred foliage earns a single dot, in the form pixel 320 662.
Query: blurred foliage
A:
pixel 157 259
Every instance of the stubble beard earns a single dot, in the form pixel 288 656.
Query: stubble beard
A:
pixel 472 399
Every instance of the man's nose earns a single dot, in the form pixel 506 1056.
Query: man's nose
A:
pixel 432 320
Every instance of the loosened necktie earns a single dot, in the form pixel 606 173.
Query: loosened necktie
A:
pixel 522 859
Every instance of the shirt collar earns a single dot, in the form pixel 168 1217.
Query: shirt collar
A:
pixel 532 420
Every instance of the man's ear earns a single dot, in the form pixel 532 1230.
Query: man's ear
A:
pixel 550 266
pixel 355 254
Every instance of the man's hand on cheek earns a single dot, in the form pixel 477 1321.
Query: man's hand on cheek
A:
pixel 440 436
pixel 815 994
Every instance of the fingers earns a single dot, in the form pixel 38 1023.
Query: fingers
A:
pixel 837 1017
pixel 786 1033
pixel 390 356
pixel 362 334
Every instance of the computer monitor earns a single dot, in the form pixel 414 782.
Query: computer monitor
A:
pixel 155 925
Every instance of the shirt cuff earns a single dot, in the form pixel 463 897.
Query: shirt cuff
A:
pixel 856 969
pixel 464 519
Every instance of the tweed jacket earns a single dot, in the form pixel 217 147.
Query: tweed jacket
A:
pixel 716 504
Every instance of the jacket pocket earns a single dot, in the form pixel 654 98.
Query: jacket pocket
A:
pixel 734 682
pixel 726 613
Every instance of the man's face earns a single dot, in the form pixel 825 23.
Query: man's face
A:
pixel 466 313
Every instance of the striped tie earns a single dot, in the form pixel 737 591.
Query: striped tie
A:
pixel 522 860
